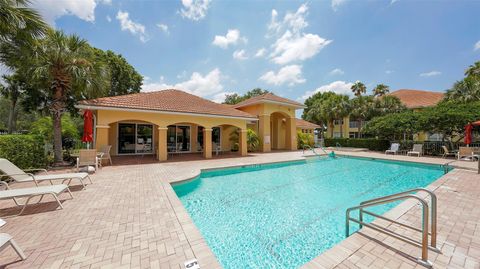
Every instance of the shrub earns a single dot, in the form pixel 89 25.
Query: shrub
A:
pixel 369 143
pixel 25 151
pixel 44 128
pixel 304 140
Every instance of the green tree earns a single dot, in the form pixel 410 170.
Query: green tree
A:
pixel 13 90
pixel 64 70
pixel 466 90
pixel 358 88
pixel 253 141
pixel 388 104
pixel 394 126
pixel 362 109
pixel 16 17
pixel 123 77
pixel 340 108
pixel 232 99
pixel 473 70
pixel 381 90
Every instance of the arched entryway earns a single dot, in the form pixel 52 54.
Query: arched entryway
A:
pixel 278 127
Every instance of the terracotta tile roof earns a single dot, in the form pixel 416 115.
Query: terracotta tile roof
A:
pixel 266 98
pixel 305 124
pixel 167 100
pixel 418 98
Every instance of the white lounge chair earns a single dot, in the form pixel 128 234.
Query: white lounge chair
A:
pixel 11 170
pixel 7 240
pixel 417 149
pixel 29 193
pixel 393 148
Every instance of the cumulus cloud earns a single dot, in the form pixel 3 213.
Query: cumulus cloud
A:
pixel 134 28
pixel 239 55
pixel 194 9
pixel 260 53
pixel 293 45
pixel 336 72
pixel 339 87
pixel 431 74
pixel 54 9
pixel 198 84
pixel 231 38
pixel 290 74
pixel 163 27
pixel 476 46
pixel 337 3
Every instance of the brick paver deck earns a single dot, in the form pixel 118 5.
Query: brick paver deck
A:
pixel 131 218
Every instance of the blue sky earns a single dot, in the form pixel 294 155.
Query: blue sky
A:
pixel 293 48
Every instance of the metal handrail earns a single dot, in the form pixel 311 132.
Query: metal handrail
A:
pixel 433 212
pixel 389 199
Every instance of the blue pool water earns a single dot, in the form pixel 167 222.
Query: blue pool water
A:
pixel 284 215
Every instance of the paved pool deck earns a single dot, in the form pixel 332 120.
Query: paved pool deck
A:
pixel 131 218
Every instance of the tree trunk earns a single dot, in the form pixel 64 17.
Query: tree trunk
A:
pixel 57 111
pixel 11 118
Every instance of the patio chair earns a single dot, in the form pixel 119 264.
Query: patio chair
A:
pixel 87 157
pixel 447 152
pixel 467 153
pixel 29 193
pixel 417 149
pixel 393 148
pixel 106 154
pixel 18 175
pixel 7 240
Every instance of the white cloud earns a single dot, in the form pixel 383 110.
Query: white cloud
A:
pixel 291 47
pixel 163 27
pixel 476 46
pixel 337 3
pixel 109 19
pixel 194 9
pixel 133 27
pixel 239 55
pixel 339 87
pixel 290 74
pixel 54 9
pixel 294 44
pixel 260 53
pixel 431 74
pixel 336 72
pixel 231 38
pixel 220 97
pixel 388 72
pixel 197 84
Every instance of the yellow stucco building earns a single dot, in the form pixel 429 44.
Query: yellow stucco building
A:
pixel 174 122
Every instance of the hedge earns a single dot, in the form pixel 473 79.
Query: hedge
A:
pixel 369 143
pixel 25 151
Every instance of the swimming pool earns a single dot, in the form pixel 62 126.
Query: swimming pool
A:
pixel 284 215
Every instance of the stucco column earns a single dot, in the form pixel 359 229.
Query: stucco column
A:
pixel 162 144
pixel 207 143
pixel 102 136
pixel 242 143
pixel 291 134
pixel 264 132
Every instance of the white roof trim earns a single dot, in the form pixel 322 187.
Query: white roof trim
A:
pixel 271 102
pixel 161 112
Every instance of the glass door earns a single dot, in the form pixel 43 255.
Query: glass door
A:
pixel 183 138
pixel 144 138
pixel 126 138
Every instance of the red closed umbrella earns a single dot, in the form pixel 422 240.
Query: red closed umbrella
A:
pixel 87 127
pixel 468 133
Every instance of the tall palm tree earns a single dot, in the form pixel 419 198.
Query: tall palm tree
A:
pixel 473 70
pixel 16 17
pixel 380 90
pixel 358 88
pixel 66 66
pixel 13 90
pixel 465 90
pixel 362 109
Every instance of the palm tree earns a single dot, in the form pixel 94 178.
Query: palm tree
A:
pixel 341 109
pixel 473 70
pixel 16 17
pixel 388 104
pixel 13 90
pixel 358 88
pixel 65 65
pixel 465 90
pixel 362 108
pixel 380 90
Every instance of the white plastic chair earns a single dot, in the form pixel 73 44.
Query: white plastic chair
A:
pixel 393 148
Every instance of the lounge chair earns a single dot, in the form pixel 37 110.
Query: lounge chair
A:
pixel 447 152
pixel 18 175
pixel 7 240
pixel 417 149
pixel 467 153
pixel 29 193
pixel 86 158
pixel 393 148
